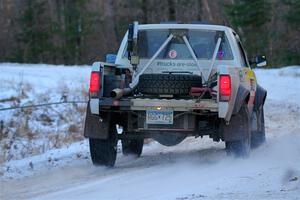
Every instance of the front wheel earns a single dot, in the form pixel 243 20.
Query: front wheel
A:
pixel 104 152
pixel 241 125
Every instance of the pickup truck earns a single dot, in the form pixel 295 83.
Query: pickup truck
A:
pixel 171 81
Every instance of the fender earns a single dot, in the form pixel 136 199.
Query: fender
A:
pixel 96 126
pixel 260 97
pixel 241 96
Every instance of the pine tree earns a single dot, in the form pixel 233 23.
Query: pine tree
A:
pixel 33 39
pixel 293 14
pixel 292 18
pixel 250 18
pixel 73 25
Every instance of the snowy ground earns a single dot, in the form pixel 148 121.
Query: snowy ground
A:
pixel 34 131
pixel 195 169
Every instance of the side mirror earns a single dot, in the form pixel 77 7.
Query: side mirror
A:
pixel 260 61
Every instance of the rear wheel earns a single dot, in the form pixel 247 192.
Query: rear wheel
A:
pixel 104 152
pixel 132 147
pixel 241 123
pixel 258 135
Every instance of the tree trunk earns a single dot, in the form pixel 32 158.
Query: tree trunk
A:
pixel 172 13
pixel 207 9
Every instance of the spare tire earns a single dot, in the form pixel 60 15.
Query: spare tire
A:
pixel 166 84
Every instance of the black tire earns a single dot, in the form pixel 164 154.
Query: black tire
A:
pixel 258 135
pixel 132 147
pixel 167 84
pixel 104 152
pixel 241 121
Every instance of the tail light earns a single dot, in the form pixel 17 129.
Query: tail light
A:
pixel 95 84
pixel 225 87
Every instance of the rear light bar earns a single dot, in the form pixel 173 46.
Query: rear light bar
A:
pixel 225 87
pixel 95 84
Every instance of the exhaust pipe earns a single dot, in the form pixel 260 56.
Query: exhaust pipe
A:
pixel 118 93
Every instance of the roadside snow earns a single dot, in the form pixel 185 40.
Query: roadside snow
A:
pixel 195 169
pixel 282 84
pixel 32 131
pixel 43 76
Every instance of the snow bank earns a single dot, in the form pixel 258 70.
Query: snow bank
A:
pixel 33 131
pixel 282 84
pixel 293 71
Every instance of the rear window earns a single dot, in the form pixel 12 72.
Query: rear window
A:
pixel 202 42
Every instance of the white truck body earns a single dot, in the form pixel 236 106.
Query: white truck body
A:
pixel 233 67
pixel 170 81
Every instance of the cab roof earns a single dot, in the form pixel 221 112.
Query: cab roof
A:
pixel 184 26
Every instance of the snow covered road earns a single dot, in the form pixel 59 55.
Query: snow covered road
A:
pixel 195 169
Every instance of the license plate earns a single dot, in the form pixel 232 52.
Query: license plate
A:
pixel 159 117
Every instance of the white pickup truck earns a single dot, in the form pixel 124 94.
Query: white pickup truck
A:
pixel 170 81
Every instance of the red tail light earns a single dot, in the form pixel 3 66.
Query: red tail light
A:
pixel 95 83
pixel 225 87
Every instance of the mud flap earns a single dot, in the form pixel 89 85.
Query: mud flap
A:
pixel 237 128
pixel 260 97
pixel 230 132
pixel 95 126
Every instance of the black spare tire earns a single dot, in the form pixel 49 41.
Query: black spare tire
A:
pixel 167 84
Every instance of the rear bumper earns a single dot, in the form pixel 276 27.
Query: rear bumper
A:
pixel 190 117
pixel 142 104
